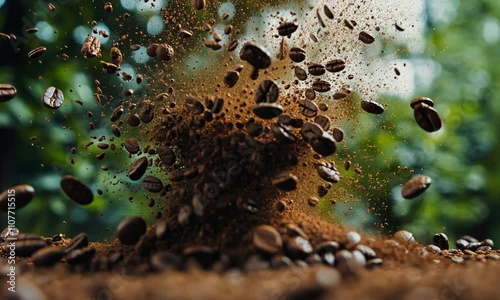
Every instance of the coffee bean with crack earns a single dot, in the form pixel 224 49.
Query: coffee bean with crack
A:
pixel 372 107
pixel 78 241
pixel 297 54
pixel 308 108
pixel 327 171
pixel 322 121
pixel 231 78
pixel 335 65
pixel 324 144
pixel 427 117
pixel 316 69
pixel 152 184
pixel 7 92
pixel 131 145
pixel 255 55
pixel 137 169
pixel 37 52
pixel 91 47
pixel 233 45
pixel 194 106
pixel 267 110
pixel 287 28
pixel 404 236
pixel 267 239
pixel 267 92
pixel 166 154
pixel 300 73
pixel 146 114
pixel 116 114
pixel 415 186
pixel 338 134
pixel 283 134
pixel 116 56
pixel 321 86
pixel 285 181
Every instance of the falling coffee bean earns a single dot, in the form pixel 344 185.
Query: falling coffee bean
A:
pixel 441 240
pixel 146 115
pixel 267 92
pixel 199 4
pixel 308 108
pixel 335 65
pixel 324 122
pixel 366 38
pixel 327 172
pixel 152 184
pixel 255 55
pixel 427 117
pixel 194 106
pixel 76 190
pixel 316 69
pixel 52 98
pixel 91 47
pixel 300 73
pixel 338 134
pixel 287 28
pixel 265 238
pixel 133 120
pixel 167 155
pixel 328 12
pixel 37 52
pixel 137 169
pixel 267 110
pixel 415 186
pixel 231 78
pixel 7 92
pixel 130 230
pixel 372 107
pixel 419 100
pixel 321 86
pixel 131 145
pixel 297 54
pixel 165 52
pixel 116 114
pixel 16 197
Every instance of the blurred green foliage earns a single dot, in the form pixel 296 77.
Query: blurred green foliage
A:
pixel 460 158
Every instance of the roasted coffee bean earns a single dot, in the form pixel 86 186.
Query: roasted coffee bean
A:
pixel 152 184
pixel 165 52
pixel 199 4
pixel 217 37
pixel 297 54
pixel 283 134
pixel 285 181
pixel 228 29
pixel 298 248
pixel 404 236
pixel 311 132
pixel 310 94
pixel 133 120
pixel 167 155
pixel 52 98
pixel 47 256
pixel 419 100
pixel 280 261
pixel 116 131
pixel 427 117
pixel 462 244
pixel 109 68
pixel 473 246
pixel 372 107
pixel 316 69
pixel 233 45
pixel 323 121
pixel 108 7
pixel 212 44
pixel 79 241
pixel 350 24
pixel 338 134
pixel 415 186
pixel 469 239
pixel 327 171
pixel 324 144
pixel 308 108
pixel 26 247
pixel 352 239
pixel 16 197
pixel 76 190
pixel 300 73
pixel 368 252
pixel 399 27
pixel 366 38
pixel 373 263
pixel 91 47
pixel 335 65
pixel 194 106
pixel 37 52
pixel 146 115
pixel 218 105
pixel 432 248
pixel 267 110
pixel 80 256
pixel 255 74
pixel 488 242
pixel 321 86
pixel 131 145
pixel 151 49
pixel 7 92
pixel 255 55
pixel 130 230
pixel 267 92
pixel 32 30
pixel 253 128
pixel 327 12
pixel 265 238
pixel 231 78
pixel 312 201
pixel 322 191
pixel 116 56
pixel 347 165
pixel 137 169
pixel 287 28
pixel 116 114
pixel 441 240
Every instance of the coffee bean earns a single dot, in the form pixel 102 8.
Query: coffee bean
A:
pixel 488 242
pixel 116 56
pixel 352 239
pixel 146 115
pixel 137 169
pixel 32 30
pixel 297 54
pixel 7 92
pixel 350 24
pixel 281 206
pixel 231 78
pixel 285 181
pixel 16 197
pixel 469 239
pixel 116 114
pixel 80 256
pixel 76 190
pixel 218 105
pixel 473 246
pixel 404 236
pixel 267 92
pixel 199 4
pixel 91 47
pixel 130 230
pixel 484 248
pixel 366 38
pixel 462 244
pixel 228 29
pixel 287 28
pixel 312 201
pixel 267 110
pixel 441 240
pixel 212 44
pixel 321 86
pixel 25 248
pixel 165 52
pixel 327 172
pixel 167 155
pixel 419 100
pixel 327 12
pixel 308 108
pixel 108 68
pixel 368 252
pixel 151 49
pixel 338 134
pixel 415 186
pixel 152 184
pixel 283 134
pixel 324 144
pixel 399 27
pixel 347 165
pixel 311 131
pixel 47 256
pixel 79 241
pixel 37 52
pixel 194 106
pixel 233 45
pixel 52 98
pixel 372 107
pixel 108 7
pixel 300 73
pixel 310 94
pixel 217 37
pixel 316 69
pixel 131 145
pixel 298 248
pixel 323 121
pixel 265 238
pixel 116 131
pixel 335 65
pixel 280 261
pixel 133 120
pixel 255 55
pixel 427 117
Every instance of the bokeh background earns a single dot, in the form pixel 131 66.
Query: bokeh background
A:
pixel 459 52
